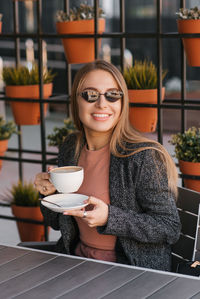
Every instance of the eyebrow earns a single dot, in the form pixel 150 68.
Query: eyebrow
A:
pixel 93 88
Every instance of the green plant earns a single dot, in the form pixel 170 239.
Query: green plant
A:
pixel 7 129
pixel 187 145
pixel 1 16
pixel 59 135
pixel 23 76
pixel 143 75
pixel 24 194
pixel 189 14
pixel 83 12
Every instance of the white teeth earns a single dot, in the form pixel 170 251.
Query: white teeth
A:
pixel 101 115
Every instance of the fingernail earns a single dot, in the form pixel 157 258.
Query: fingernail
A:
pixel 65 213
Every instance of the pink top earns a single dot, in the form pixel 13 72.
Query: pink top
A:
pixel 95 183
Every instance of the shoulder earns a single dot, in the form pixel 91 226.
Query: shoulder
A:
pixel 67 150
pixel 140 150
pixel 146 155
pixel 69 142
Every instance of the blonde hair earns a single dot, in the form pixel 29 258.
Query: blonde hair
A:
pixel 123 131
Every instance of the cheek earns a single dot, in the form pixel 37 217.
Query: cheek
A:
pixel 80 109
pixel 83 109
pixel 118 108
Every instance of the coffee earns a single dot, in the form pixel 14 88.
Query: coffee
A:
pixel 66 169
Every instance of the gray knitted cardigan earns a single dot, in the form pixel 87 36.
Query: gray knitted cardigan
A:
pixel 142 212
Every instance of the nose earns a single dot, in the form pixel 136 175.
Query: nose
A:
pixel 101 102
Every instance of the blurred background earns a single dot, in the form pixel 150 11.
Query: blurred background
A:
pixel 140 17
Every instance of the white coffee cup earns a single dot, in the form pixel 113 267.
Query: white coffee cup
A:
pixel 67 179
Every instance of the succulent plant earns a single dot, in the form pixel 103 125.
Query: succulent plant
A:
pixel 189 14
pixel 59 135
pixel 7 129
pixel 1 16
pixel 143 75
pixel 187 145
pixel 83 12
pixel 23 76
pixel 24 194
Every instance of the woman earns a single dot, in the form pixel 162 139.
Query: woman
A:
pixel 130 180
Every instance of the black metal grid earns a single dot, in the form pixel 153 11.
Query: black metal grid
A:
pixel 183 104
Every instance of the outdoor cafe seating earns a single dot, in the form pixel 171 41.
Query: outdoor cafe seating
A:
pixel 188 246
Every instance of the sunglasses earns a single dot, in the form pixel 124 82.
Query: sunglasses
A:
pixel 92 96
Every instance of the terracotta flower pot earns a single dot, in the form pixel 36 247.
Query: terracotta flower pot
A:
pixel 191 45
pixel 192 169
pixel 144 119
pixel 0 27
pixel 29 231
pixel 27 113
pixel 3 149
pixel 79 50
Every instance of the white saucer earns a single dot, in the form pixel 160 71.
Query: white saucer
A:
pixel 67 201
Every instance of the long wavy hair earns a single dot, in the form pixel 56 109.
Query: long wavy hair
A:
pixel 123 132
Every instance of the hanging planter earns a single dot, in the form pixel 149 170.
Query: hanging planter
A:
pixel 1 23
pixel 189 22
pixel 28 231
pixel 25 204
pixel 187 151
pixel 28 113
pixel 144 119
pixel 191 45
pixel 141 80
pixel 3 149
pixel 191 169
pixel 80 50
pixel 22 83
pixel 80 20
pixel 6 131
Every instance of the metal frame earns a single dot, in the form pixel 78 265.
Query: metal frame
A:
pixel 184 104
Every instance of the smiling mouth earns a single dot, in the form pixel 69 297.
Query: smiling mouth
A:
pixel 100 116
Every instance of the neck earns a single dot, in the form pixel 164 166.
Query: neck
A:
pixel 96 141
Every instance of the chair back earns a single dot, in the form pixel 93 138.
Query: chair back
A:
pixel 188 245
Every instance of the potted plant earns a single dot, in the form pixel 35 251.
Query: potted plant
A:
pixel 80 20
pixel 187 151
pixel 1 22
pixel 25 204
pixel 6 131
pixel 141 80
pixel 189 22
pixel 23 83
pixel 59 134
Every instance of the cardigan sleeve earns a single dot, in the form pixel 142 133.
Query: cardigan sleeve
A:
pixel 158 220
pixel 51 218
pixel 65 157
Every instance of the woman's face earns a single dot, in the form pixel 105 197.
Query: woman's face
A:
pixel 100 116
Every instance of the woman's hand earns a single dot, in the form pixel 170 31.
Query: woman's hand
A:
pixel 98 216
pixel 42 183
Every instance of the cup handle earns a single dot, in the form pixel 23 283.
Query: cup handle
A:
pixel 49 177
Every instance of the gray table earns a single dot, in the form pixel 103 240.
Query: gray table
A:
pixel 27 273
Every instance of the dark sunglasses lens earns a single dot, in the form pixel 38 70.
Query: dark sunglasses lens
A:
pixel 113 96
pixel 90 96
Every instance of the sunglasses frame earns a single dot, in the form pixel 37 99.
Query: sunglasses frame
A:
pixel 107 97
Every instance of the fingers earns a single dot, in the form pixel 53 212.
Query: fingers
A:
pixel 96 217
pixel 50 168
pixel 85 215
pixel 76 213
pixel 93 200
pixel 47 190
pixel 43 185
